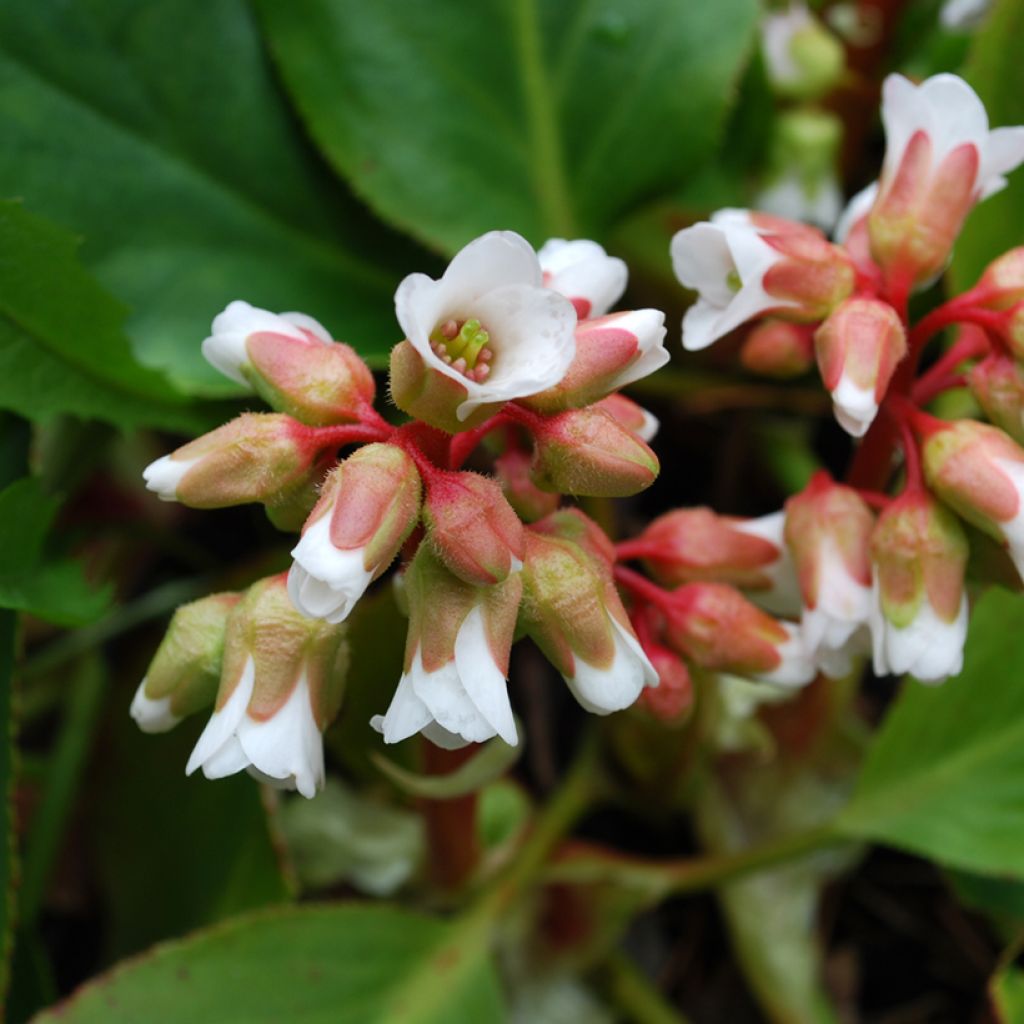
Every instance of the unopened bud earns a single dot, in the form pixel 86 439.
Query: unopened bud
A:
pixel 183 675
pixel 672 699
pixel 587 452
pixel 632 416
pixel 471 527
pixel 997 382
pixel 574 525
pixel 777 348
pixel 367 508
pixel 859 347
pixel 513 472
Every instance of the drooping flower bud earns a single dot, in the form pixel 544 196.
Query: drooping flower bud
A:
pixel 777 348
pixel 573 612
pixel 716 627
pixel 745 264
pixel 183 675
pixel 978 471
pixel 632 416
pixel 367 508
pixel 858 348
pixel 803 58
pixel 588 452
pixel 471 527
pixel 584 273
pixel 997 382
pixel 453 688
pixel 487 332
pixel 919 608
pixel 828 531
pixel 281 685
pixel 264 457
pixel 291 362
pixel 940 160
pixel 513 472
pixel 611 352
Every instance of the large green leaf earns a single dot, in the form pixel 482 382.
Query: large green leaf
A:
pixel 334 964
pixel 547 118
pixel 8 849
pixel 945 776
pixel 156 129
pixel 996 71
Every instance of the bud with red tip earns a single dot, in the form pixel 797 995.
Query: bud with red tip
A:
pixel 291 362
pixel 858 348
pixel 919 607
pixel 453 687
pixel 281 686
pixel 978 471
pixel 632 416
pixel 828 531
pixel 573 612
pixel 777 348
pixel 714 625
pixel 513 472
pixel 471 527
pixel 183 675
pixel 367 508
pixel 584 273
pixel 611 352
pixel 998 384
pixel 588 452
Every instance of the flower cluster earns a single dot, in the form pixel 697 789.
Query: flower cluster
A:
pixel 509 345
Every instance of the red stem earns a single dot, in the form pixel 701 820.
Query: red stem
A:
pixel 973 342
pixel 642 587
pixel 876 499
pixel 630 549
pixel 464 444
pixel 452 839
pixel 348 433
pixel 911 455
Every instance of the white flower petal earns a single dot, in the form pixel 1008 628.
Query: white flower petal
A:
pixel 482 680
pixel 648 327
pixel 164 476
pixel 223 723
pixel 445 697
pixel 581 269
pixel 797 665
pixel 325 582
pixel 225 348
pixel 406 715
pixel 648 430
pixel 307 323
pixel 855 407
pixel 604 690
pixel 1013 529
pixel 152 715
pixel 856 210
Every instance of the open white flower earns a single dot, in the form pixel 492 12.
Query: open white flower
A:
pixel 584 273
pixel 602 689
pixel 488 323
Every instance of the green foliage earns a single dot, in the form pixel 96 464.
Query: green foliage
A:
pixel 1008 995
pixel 945 776
pixel 8 850
pixel 549 119
pixel 156 130
pixel 333 964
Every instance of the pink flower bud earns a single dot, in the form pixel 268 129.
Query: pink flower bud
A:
pixel 828 531
pixel 777 348
pixel 291 362
pixel 714 625
pixel 919 608
pixel 998 384
pixel 584 273
pixel 858 348
pixel 573 612
pixel 453 689
pixel 1001 288
pixel 672 699
pixel 940 160
pixel 978 471
pixel 257 457
pixel 183 675
pixel 471 527
pixel 611 352
pixel 367 508
pixel 632 416
pixel 512 470
pixel 281 685
pixel 587 452
pixel 572 524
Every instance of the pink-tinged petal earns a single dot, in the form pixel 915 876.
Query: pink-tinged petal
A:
pixel 225 348
pixel 648 327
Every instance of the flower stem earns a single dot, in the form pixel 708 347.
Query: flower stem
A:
pixel 630 989
pixel 452 839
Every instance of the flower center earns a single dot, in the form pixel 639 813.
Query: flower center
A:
pixel 733 281
pixel 462 344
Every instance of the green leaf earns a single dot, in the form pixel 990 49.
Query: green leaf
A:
pixel 8 848
pixel 549 119
pixel 53 590
pixel 156 129
pixel 996 72
pixel 331 964
pixel 491 762
pixel 945 776
pixel 1007 989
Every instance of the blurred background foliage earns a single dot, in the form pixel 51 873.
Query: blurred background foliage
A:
pixel 162 157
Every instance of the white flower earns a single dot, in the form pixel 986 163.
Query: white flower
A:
pixel 947 110
pixel 584 273
pixel 152 715
pixel 511 336
pixel 961 15
pixel 648 430
pixel 226 347
pixel 796 666
pixel 647 326
pixel 782 596
pixel 602 690
pixel 165 475
pixel 325 582
pixel 463 701
pixel 285 749
pixel 725 262
pixel 929 648
pixel 843 604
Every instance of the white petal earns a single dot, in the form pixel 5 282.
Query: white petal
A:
pixel 1013 529
pixel 702 261
pixel 228 759
pixel 325 582
pixel 482 680
pixel 855 407
pixel 820 203
pixel 648 327
pixel 777 31
pixel 441 737
pixel 164 476
pixel 152 715
pixel 783 596
pixel 1003 153
pixel 225 348
pixel 307 323
pixel 963 14
pixel 224 722
pixel 648 430
pixel 406 715
pixel 581 269
pixel 447 701
pixel 797 667
pixel 856 210
pixel 604 690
